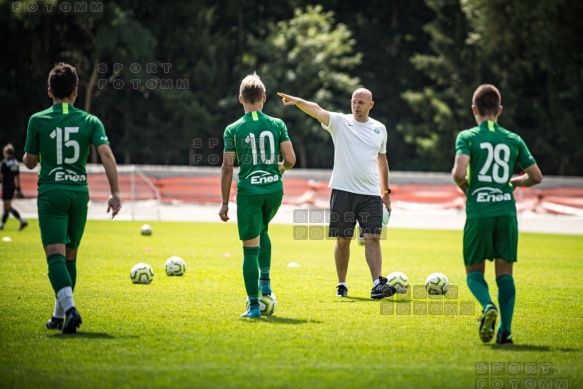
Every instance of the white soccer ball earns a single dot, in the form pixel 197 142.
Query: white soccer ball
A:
pixel 142 273
pixel 146 229
pixel 175 266
pixel 436 284
pixel 267 303
pixel 386 216
pixel 399 281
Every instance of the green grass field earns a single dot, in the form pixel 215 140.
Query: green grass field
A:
pixel 186 331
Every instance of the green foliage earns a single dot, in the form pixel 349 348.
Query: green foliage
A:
pixel 529 50
pixel 309 56
pixel 186 331
pixel 422 59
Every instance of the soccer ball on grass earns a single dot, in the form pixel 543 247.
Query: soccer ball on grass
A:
pixel 267 303
pixel 142 273
pixel 436 284
pixel 399 281
pixel 175 266
pixel 146 230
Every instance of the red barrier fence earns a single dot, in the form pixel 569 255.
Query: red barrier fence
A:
pixel 206 189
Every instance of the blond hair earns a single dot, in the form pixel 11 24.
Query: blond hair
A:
pixel 252 89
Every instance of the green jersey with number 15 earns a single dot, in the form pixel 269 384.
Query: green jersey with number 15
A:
pixel 493 152
pixel 256 138
pixel 61 136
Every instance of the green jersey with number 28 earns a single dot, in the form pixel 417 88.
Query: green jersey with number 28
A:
pixel 493 152
pixel 62 135
pixel 256 138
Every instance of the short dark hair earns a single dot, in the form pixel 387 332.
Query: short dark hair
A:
pixel 252 89
pixel 63 80
pixel 487 100
pixel 9 149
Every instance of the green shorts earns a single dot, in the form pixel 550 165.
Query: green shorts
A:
pixel 490 238
pixel 62 215
pixel 254 212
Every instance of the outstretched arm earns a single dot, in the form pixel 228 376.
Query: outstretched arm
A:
pixel 108 161
pixel 312 109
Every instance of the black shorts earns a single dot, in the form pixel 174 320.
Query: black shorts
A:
pixel 8 191
pixel 348 208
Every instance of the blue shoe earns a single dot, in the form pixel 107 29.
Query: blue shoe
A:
pixel 265 286
pixel 504 338
pixel 252 312
pixel 72 321
pixel 487 322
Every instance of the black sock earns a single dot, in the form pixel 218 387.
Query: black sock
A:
pixel 15 213
pixel 4 217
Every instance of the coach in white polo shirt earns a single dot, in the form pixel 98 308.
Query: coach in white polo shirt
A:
pixel 359 182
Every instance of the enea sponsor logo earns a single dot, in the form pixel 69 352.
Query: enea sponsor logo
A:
pixel 67 175
pixel 262 177
pixel 491 195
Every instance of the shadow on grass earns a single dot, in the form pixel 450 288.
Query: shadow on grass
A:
pixel 530 347
pixel 280 320
pixel 354 299
pixel 91 335
pixel 351 299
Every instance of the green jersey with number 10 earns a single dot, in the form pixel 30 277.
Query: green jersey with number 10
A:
pixel 256 138
pixel 493 152
pixel 62 135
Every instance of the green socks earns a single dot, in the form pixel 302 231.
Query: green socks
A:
pixel 251 271
pixel 479 288
pixel 72 269
pixel 264 256
pixel 58 273
pixel 506 299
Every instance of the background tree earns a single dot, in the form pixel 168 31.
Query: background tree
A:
pixel 309 56
pixel 422 59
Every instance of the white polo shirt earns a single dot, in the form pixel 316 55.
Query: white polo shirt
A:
pixel 356 149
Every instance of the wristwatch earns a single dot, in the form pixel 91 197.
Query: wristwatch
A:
pixel 385 191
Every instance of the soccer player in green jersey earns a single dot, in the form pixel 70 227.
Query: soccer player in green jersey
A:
pixel 257 141
pixel 60 137
pixel 485 158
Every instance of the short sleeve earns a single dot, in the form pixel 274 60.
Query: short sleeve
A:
pixel 32 145
pixel 462 145
pixel 335 117
pixel 283 134
pixel 16 167
pixel 524 158
pixel 383 149
pixel 98 137
pixel 229 140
